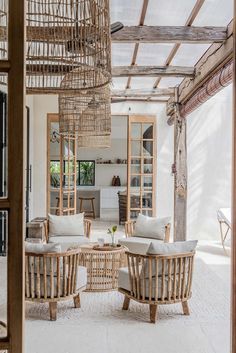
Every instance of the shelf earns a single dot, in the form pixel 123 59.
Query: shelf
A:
pixel 120 164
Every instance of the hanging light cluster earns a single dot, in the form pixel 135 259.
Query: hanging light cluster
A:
pixel 69 53
pixel 85 112
pixel 65 36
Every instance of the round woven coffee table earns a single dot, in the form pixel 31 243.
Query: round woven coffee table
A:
pixel 102 266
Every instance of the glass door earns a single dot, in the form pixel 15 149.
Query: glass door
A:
pixel 68 175
pixel 62 170
pixel 141 166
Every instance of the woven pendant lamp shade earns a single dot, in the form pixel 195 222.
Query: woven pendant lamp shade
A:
pixel 87 113
pixel 67 35
pixel 94 141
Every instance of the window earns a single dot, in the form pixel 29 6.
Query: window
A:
pixel 55 174
pixel 86 173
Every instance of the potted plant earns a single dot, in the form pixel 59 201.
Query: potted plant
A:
pixel 112 231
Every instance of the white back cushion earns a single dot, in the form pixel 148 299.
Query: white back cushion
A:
pixel 158 248
pixel 151 227
pixel 66 225
pixel 178 247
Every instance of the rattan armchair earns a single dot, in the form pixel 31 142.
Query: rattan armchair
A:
pixel 157 280
pixel 130 227
pixel 54 277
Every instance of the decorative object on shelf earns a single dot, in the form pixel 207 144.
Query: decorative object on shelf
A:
pixel 74 36
pixel 117 181
pixel 112 231
pixel 101 161
pixel 85 113
pixel 113 181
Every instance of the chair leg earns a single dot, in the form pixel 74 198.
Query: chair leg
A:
pixel 77 301
pixel 81 206
pixel 53 311
pixel 93 210
pixel 185 308
pixel 126 303
pixel 153 313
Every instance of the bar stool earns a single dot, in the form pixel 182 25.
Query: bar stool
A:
pixel 90 212
pixel 65 199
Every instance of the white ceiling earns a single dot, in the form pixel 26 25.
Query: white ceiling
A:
pixel 168 13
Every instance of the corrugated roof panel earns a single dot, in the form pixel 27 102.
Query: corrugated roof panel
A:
pixel 168 13
pixel 121 54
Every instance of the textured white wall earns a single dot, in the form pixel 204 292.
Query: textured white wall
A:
pixel 209 164
pixel 42 106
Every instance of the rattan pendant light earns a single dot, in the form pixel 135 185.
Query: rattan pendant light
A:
pixel 86 113
pixel 66 36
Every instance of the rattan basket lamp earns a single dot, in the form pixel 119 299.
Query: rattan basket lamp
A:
pixel 87 115
pixel 66 36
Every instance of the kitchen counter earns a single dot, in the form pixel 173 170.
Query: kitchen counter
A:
pixel 106 199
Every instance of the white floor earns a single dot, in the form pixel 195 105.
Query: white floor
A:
pixel 101 326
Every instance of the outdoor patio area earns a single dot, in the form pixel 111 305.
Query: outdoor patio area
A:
pixel 101 326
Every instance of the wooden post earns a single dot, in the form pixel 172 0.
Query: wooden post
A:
pixel 180 180
pixel 16 112
pixel 233 239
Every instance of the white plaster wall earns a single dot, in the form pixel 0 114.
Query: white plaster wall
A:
pixel 30 104
pixel 209 164
pixel 42 106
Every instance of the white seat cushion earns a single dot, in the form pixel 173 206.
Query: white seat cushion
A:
pixel 137 245
pixel 68 241
pixel 151 227
pixel 124 283
pixel 81 282
pixel 66 225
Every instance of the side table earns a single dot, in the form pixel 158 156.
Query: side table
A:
pixel 102 267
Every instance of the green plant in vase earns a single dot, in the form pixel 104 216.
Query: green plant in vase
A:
pixel 112 231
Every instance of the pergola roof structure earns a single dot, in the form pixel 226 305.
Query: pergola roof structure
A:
pixel 160 44
pixel 198 13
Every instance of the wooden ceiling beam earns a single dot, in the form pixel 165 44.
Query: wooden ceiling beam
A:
pixel 197 7
pixel 214 58
pixel 130 93
pixel 170 34
pixel 152 71
pixel 136 34
pixel 120 71
pixel 142 93
pixel 138 100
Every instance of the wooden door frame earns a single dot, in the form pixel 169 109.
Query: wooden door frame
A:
pixel 14 202
pixel 149 119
